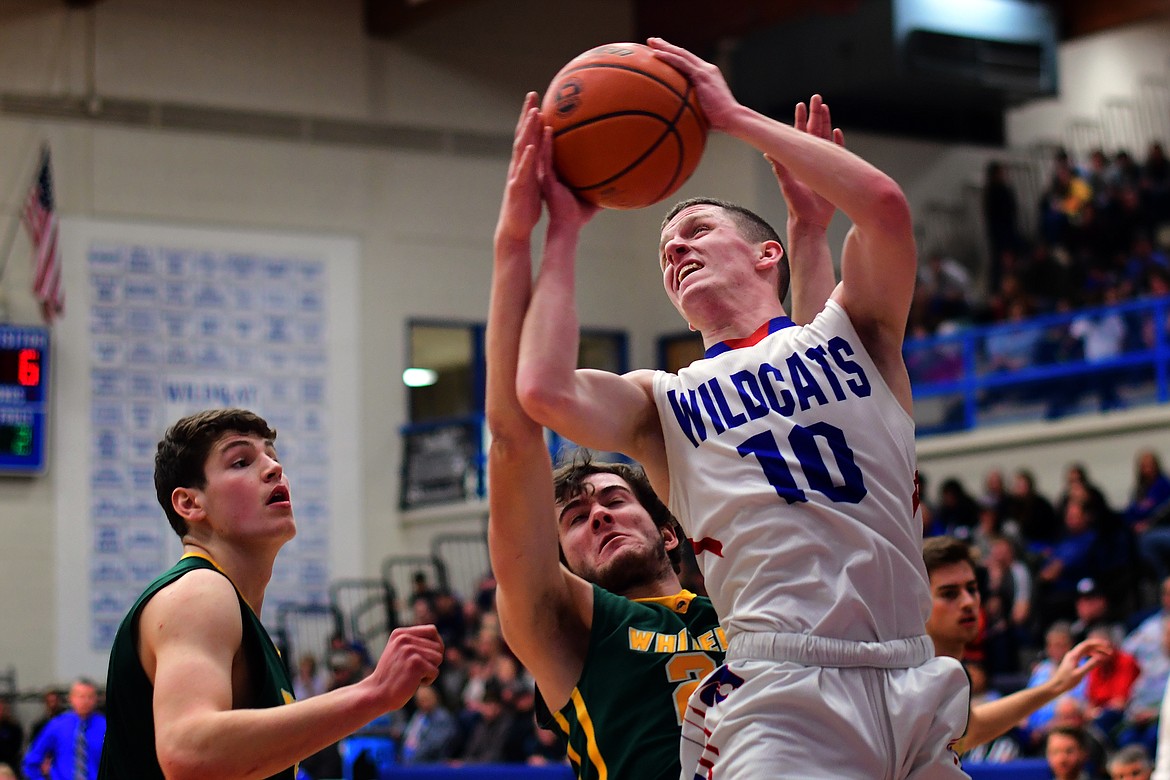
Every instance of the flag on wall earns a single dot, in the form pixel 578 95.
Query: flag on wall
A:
pixel 40 219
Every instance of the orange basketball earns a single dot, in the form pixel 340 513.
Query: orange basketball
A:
pixel 628 130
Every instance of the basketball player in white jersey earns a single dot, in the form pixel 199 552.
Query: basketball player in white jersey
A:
pixel 788 455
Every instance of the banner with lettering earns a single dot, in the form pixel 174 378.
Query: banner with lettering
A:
pixel 179 320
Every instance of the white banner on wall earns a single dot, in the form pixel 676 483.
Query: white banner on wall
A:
pixel 163 321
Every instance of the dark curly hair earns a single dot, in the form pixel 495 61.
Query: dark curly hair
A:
pixel 569 482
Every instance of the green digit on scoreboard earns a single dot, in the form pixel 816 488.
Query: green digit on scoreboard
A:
pixel 22 440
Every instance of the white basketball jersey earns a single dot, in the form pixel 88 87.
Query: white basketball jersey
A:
pixel 792 470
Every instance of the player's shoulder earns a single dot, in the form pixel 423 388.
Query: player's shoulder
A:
pixel 199 596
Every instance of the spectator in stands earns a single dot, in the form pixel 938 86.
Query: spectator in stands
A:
pixel 488 738
pixel 1057 643
pixel 1008 606
pixel 1144 259
pixel 956 511
pixel 485 593
pixel 1071 713
pixel 1147 512
pixel 1155 183
pixel 1063 202
pixel 449 618
pixel 944 285
pixel 1151 491
pixel 1110 683
pixel 1131 762
pixel 1000 217
pixel 11 734
pixel 1076 480
pixel 53 706
pixel 1124 172
pixel 521 701
pixel 1035 514
pixel 420 586
pixel 1064 564
pixel 431 733
pixel 1145 641
pixel 1139 723
pixel 309 679
pixel 57 743
pixel 1011 347
pixel 7 773
pixel 546 748
pixel 1093 611
pixel 453 677
pixel 1067 753
pixel 1102 336
pixel 995 494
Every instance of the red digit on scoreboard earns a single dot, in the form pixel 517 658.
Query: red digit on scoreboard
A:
pixel 28 367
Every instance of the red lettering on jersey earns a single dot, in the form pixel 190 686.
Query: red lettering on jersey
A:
pixel 707 544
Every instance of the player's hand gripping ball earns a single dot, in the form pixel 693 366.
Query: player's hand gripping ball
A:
pixel 627 127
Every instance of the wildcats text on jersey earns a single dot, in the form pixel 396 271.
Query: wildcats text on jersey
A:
pixel 820 375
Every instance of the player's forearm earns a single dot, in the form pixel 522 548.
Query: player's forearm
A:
pixel 511 291
pixel 991 719
pixel 257 743
pixel 811 267
pixel 550 338
pixel 869 197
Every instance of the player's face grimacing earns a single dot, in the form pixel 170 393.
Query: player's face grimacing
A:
pixel 609 538
pixel 698 241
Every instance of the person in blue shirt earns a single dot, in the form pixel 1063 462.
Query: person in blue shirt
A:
pixel 71 737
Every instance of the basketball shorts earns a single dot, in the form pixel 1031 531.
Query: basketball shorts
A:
pixel 801 707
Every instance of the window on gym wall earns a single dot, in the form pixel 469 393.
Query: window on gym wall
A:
pixel 679 350
pixel 445 378
pixel 443 455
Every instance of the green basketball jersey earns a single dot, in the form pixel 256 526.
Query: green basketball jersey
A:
pixel 129 752
pixel 645 658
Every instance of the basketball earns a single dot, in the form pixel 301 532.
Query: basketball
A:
pixel 627 127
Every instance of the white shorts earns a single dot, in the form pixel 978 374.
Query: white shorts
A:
pixel 799 706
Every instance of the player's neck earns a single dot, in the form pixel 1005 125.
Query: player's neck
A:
pixel 943 648
pixel 734 322
pixel 248 570
pixel 666 585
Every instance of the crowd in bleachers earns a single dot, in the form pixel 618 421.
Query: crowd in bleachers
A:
pixel 481 709
pixel 1054 571
pixel 1100 233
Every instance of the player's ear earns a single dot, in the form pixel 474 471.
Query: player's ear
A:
pixel 670 536
pixel 770 254
pixel 188 503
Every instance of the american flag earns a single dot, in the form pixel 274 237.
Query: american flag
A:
pixel 40 218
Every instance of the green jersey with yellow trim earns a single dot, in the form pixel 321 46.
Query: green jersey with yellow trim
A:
pixel 645 658
pixel 129 752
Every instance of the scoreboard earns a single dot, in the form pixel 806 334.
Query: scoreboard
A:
pixel 24 397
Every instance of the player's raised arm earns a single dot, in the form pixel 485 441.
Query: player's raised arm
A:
pixel 879 260
pixel 809 259
pixel 545 612
pixel 595 409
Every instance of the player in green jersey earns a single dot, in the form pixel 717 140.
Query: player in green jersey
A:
pixel 616 645
pixel 195 688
